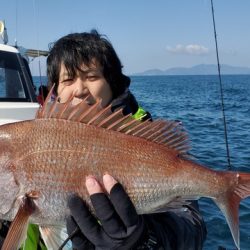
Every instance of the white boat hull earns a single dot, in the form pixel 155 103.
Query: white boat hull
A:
pixel 17 111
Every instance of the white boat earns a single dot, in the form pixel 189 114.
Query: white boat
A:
pixel 17 93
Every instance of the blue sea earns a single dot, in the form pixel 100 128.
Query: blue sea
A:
pixel 196 101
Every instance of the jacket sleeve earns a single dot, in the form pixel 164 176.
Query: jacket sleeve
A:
pixel 178 230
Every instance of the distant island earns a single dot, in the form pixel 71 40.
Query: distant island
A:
pixel 201 69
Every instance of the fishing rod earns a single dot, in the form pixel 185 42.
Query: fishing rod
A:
pixel 221 90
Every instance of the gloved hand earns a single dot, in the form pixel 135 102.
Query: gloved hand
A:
pixel 116 225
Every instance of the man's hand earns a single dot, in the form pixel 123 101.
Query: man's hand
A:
pixel 116 224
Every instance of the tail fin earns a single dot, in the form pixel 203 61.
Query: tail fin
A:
pixel 229 203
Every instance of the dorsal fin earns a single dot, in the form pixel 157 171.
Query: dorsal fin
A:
pixel 168 133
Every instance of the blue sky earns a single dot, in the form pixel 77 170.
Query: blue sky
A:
pixel 146 34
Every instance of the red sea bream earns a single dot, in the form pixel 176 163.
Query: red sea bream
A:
pixel 44 160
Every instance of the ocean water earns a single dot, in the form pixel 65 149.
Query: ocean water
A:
pixel 196 101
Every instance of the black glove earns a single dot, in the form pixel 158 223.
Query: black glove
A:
pixel 117 225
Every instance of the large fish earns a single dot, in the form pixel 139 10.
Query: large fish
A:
pixel 44 160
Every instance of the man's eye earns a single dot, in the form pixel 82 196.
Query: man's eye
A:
pixel 67 81
pixel 92 78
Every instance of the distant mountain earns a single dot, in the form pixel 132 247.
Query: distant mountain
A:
pixel 201 69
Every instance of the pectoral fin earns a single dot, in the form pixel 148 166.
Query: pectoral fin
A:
pixel 18 229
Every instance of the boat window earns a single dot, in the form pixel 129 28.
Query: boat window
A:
pixel 10 84
pixel 15 83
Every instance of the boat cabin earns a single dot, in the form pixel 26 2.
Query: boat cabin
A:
pixel 17 93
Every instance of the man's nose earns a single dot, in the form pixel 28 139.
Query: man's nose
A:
pixel 79 88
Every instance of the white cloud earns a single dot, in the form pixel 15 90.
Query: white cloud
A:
pixel 191 49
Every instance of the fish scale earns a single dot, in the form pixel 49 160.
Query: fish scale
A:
pixel 69 157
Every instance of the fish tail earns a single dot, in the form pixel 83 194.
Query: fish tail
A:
pixel 230 200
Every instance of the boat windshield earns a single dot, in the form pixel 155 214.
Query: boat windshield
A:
pixel 15 82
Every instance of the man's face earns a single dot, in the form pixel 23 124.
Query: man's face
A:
pixel 88 82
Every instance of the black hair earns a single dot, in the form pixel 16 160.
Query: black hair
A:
pixel 76 49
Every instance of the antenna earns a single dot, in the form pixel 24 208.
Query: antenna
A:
pixel 37 41
pixel 16 23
